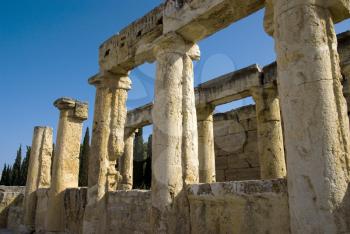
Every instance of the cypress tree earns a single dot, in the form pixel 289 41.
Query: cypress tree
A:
pixel 84 159
pixel 148 167
pixel 9 181
pixel 16 169
pixel 3 175
pixel 52 158
pixel 24 167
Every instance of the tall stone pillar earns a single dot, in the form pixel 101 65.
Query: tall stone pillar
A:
pixel 65 170
pixel 107 145
pixel 270 136
pixel 126 161
pixel 174 147
pixel 39 172
pixel 206 151
pixel 346 85
pixel 316 124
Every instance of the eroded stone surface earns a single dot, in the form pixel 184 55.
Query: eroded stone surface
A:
pixel 107 146
pixel 270 136
pixel 316 124
pixel 240 207
pixel 65 169
pixel 39 171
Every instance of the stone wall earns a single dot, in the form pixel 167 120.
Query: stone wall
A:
pixel 41 209
pixel 240 207
pixel 74 207
pixel 129 211
pixel 9 197
pixel 236 148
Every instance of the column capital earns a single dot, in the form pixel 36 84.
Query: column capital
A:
pixel 205 113
pixel 42 127
pixel 264 91
pixel 111 80
pixel 340 9
pixel 174 43
pixel 79 110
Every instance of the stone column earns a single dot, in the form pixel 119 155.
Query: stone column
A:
pixel 316 124
pixel 126 161
pixel 206 151
pixel 39 172
pixel 106 146
pixel 270 136
pixel 65 170
pixel 346 85
pixel 174 134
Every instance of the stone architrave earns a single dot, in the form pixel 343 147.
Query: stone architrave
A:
pixel 39 172
pixel 107 146
pixel 65 170
pixel 174 143
pixel 126 161
pixel 206 151
pixel 316 125
pixel 270 136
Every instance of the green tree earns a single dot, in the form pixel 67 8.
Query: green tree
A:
pixel 52 158
pixel 3 175
pixel 148 167
pixel 84 159
pixel 24 167
pixel 16 168
pixel 8 180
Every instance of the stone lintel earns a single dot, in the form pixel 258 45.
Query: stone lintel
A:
pixel 194 20
pixel 141 116
pixel 79 109
pixel 229 87
pixel 340 10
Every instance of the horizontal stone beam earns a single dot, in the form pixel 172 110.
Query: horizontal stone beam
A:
pixel 192 19
pixel 229 87
pixel 234 86
pixel 139 117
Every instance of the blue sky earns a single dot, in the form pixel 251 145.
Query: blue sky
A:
pixel 48 49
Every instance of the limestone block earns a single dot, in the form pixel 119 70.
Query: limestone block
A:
pixel 8 199
pixel 242 174
pixel 14 217
pixel 220 175
pixel 131 211
pixel 221 163
pixel 75 200
pixel 240 207
pixel 41 209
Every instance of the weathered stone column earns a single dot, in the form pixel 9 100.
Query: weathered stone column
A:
pixel 39 172
pixel 346 85
pixel 174 133
pixel 107 145
pixel 316 124
pixel 206 151
pixel 270 136
pixel 65 170
pixel 126 161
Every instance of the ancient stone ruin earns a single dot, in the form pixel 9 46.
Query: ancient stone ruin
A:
pixel 279 166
